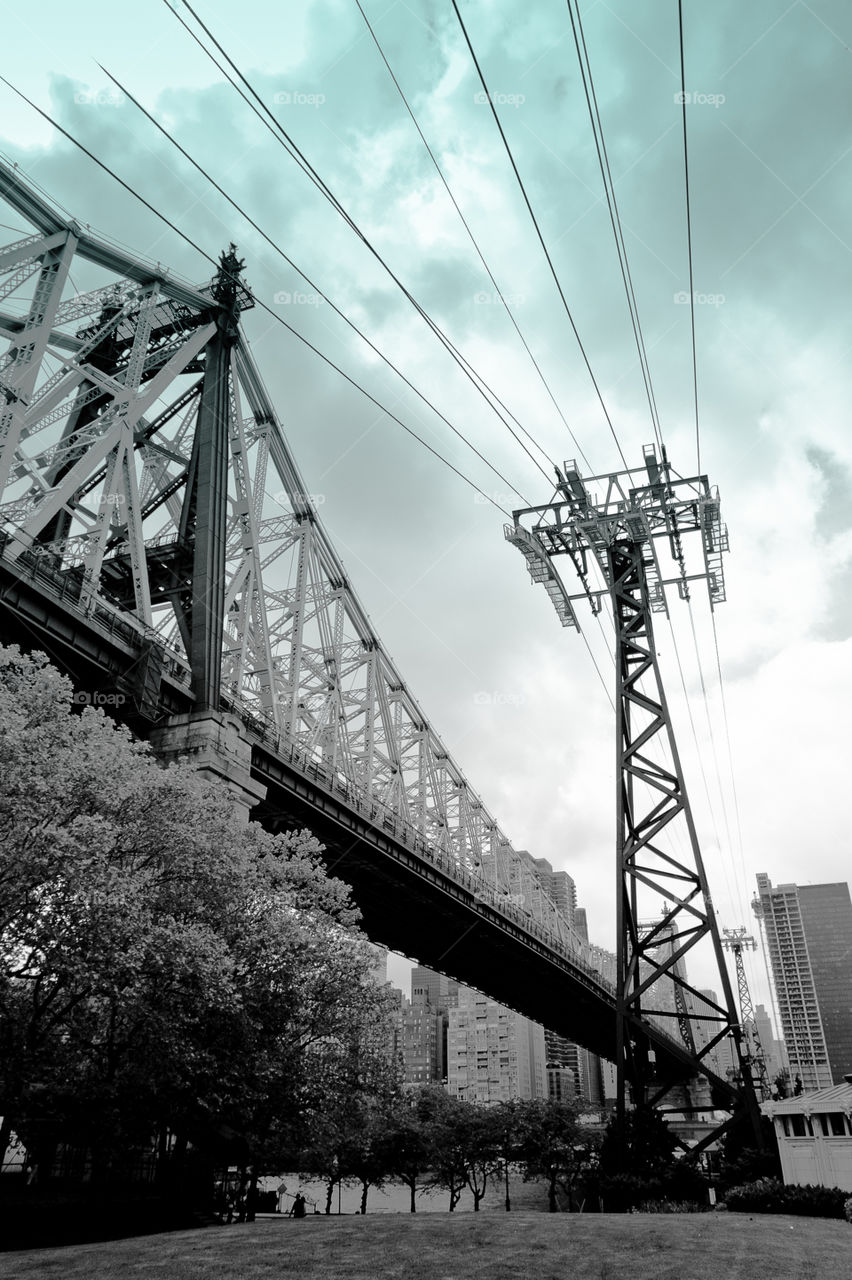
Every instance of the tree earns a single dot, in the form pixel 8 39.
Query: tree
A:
pixel 407 1138
pixel 447 1150
pixel 480 1137
pixel 164 970
pixel 348 1125
pixel 642 1165
pixel 552 1146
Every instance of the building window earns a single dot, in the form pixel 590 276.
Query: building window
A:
pixel 833 1125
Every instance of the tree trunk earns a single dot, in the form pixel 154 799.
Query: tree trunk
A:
pixel 329 1194
pixel 552 1195
pixel 365 1187
pixel 413 1185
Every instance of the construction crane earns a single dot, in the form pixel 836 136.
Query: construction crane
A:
pixel 613 529
pixel 738 941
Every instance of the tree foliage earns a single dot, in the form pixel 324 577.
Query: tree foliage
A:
pixel 163 969
pixel 552 1146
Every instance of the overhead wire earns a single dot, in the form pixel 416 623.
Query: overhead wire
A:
pixel 538 230
pixel 263 306
pixel 313 285
pixel 498 291
pixel 612 205
pixel 281 135
pixel 689 231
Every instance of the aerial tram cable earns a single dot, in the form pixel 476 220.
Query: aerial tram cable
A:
pixel 538 231
pixel 612 205
pixel 262 305
pixel 498 291
pixel 313 285
pixel 283 138
pixel 689 233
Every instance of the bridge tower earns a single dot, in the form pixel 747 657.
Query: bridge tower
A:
pixel 738 941
pixel 611 528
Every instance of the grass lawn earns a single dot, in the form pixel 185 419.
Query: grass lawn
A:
pixel 516 1246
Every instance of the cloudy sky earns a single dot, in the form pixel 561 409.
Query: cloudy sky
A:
pixel 517 699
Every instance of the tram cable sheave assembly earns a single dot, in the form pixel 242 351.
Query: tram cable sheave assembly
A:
pixel 616 530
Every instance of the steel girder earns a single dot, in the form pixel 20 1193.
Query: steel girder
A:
pixel 111 400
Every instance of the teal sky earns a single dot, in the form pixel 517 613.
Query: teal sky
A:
pixel 770 150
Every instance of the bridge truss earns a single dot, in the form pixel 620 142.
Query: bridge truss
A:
pixel 145 477
pixel 613 528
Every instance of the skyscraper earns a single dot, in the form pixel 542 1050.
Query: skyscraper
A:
pixel 827 917
pixel 433 988
pixel 809 938
pixel 493 1053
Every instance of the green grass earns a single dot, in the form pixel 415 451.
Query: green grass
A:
pixel 711 1246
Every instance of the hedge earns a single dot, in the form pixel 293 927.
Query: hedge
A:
pixel 768 1195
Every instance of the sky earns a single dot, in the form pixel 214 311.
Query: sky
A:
pixel 515 697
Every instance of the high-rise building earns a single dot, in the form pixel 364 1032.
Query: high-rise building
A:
pixel 561 1085
pixel 493 1053
pixel 558 886
pixel 827 917
pixel 583 1066
pixel 808 930
pixel 422 1044
pixel 436 989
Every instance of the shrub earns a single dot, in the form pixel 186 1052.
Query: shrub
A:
pixel 847 1210
pixel 622 1192
pixel 768 1195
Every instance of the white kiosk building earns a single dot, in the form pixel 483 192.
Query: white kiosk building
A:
pixel 814 1134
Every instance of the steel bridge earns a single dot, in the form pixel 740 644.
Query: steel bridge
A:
pixel 158 543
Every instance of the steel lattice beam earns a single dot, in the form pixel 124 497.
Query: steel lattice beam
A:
pixel 147 478
pixel 738 941
pixel 611 534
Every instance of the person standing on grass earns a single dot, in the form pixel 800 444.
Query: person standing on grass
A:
pixel 298 1210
